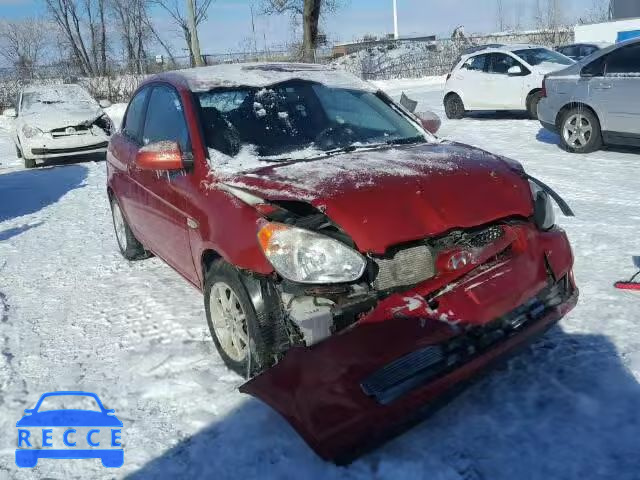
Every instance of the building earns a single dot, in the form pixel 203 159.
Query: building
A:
pixel 621 9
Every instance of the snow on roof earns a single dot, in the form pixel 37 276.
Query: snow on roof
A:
pixel 264 74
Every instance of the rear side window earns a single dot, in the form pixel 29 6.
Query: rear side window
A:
pixel 132 123
pixel 476 64
pixel 588 50
pixel 572 51
pixel 165 119
pixel 624 62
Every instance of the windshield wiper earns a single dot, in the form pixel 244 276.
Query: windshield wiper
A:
pixel 406 141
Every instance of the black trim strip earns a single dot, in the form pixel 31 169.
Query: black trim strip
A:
pixel 48 151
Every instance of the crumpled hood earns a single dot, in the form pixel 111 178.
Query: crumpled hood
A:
pixel 394 195
pixel 52 118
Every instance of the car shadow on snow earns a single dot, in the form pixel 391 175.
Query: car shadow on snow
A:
pixel 498 115
pixel 74 159
pixel 551 138
pixel 26 191
pixel 565 408
pixel 12 232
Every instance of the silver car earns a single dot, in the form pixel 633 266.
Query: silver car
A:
pixel 596 101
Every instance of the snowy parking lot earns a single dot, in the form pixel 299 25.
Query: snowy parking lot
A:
pixel 74 315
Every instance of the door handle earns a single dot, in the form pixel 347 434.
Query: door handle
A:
pixel 603 86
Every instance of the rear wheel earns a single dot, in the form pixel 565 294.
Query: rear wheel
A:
pixel 532 104
pixel 580 131
pixel 129 245
pixel 453 107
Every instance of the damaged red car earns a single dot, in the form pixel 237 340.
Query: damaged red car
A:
pixel 357 269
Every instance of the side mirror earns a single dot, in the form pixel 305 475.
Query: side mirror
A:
pixel 515 70
pixel 164 155
pixel 10 113
pixel 104 103
pixel 430 121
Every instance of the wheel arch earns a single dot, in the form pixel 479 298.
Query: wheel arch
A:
pixel 533 91
pixel 572 105
pixel 207 258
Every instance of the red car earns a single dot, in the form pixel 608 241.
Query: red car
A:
pixel 355 268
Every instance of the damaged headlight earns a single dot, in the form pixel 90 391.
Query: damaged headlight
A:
pixel 543 213
pixel 307 257
pixel 30 131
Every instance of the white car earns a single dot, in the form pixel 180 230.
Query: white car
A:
pixel 500 77
pixel 53 121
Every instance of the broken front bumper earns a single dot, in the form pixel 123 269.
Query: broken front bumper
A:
pixel 415 348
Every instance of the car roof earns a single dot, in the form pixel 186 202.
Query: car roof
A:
pixel 261 74
pixel 499 48
pixel 586 44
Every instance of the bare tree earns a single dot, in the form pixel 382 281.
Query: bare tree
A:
pixel 600 11
pixel 306 12
pixel 22 43
pixel 135 34
pixel 175 9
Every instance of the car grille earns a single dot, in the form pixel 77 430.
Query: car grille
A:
pixel 407 267
pixel 68 131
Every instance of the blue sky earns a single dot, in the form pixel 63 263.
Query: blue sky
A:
pixel 229 25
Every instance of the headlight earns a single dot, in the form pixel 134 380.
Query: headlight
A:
pixel 30 131
pixel 308 257
pixel 543 213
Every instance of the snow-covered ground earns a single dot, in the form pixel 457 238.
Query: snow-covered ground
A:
pixel 75 315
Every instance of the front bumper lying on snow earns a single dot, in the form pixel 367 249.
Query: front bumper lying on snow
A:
pixel 414 349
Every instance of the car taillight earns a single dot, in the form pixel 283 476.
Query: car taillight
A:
pixel 544 88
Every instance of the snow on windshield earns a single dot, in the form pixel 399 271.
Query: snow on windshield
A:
pixel 58 96
pixel 297 120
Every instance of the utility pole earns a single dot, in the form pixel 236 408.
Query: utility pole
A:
pixel 195 43
pixel 396 34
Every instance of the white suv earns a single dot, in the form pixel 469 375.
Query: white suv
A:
pixel 507 77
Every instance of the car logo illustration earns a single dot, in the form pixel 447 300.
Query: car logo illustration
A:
pixel 101 424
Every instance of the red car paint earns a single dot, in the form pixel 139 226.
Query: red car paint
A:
pixel 318 388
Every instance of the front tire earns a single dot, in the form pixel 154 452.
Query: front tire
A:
pixel 29 162
pixel 129 245
pixel 233 321
pixel 532 104
pixel 454 107
pixel 580 131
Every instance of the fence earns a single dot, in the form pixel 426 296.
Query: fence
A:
pixel 413 59
pixel 382 61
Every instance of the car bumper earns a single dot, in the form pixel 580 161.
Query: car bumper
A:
pixel 46 148
pixel 547 114
pixel 370 382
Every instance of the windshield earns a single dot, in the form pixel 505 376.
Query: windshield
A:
pixel 64 96
pixel 537 56
pixel 300 119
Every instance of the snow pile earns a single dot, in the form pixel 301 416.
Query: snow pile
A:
pixel 116 113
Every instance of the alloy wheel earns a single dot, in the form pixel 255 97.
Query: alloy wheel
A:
pixel 229 321
pixel 577 131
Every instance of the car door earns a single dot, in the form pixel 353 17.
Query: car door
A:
pixel 162 194
pixel 617 91
pixel 121 157
pixel 505 90
pixel 471 80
